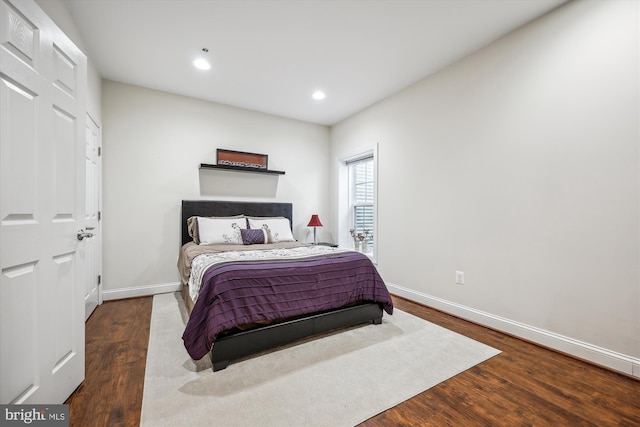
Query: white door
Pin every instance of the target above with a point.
(92, 217)
(42, 180)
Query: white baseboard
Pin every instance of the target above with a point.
(140, 291)
(585, 351)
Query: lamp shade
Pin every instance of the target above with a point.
(314, 221)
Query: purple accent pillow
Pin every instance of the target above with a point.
(252, 236)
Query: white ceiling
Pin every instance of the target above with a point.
(271, 55)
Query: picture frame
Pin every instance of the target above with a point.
(241, 159)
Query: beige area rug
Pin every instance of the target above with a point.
(340, 379)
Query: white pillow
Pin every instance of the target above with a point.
(279, 229)
(220, 230)
(192, 225)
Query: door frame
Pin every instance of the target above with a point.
(96, 241)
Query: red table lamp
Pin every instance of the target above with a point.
(314, 222)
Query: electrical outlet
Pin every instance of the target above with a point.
(460, 277)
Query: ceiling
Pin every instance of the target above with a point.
(271, 55)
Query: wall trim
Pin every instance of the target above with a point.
(591, 353)
(140, 291)
(627, 365)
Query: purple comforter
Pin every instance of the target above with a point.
(238, 293)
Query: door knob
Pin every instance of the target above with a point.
(82, 234)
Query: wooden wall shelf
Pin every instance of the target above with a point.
(240, 169)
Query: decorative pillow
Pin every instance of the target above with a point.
(278, 228)
(192, 225)
(220, 230)
(254, 237)
(192, 228)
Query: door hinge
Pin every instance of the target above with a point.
(99, 215)
(99, 279)
(99, 151)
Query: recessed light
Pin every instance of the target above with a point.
(318, 95)
(201, 64)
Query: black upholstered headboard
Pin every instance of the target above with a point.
(223, 208)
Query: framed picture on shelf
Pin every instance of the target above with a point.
(241, 159)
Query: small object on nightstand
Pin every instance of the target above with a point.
(314, 222)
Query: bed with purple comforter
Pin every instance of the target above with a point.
(259, 290)
(254, 298)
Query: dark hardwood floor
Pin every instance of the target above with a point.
(525, 385)
(117, 335)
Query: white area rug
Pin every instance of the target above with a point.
(340, 379)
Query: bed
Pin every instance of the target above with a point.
(341, 288)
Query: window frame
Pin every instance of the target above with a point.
(344, 221)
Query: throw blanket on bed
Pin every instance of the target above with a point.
(202, 262)
(268, 288)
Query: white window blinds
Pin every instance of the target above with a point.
(361, 177)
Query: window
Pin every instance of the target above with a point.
(361, 202)
(356, 197)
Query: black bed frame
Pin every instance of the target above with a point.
(237, 344)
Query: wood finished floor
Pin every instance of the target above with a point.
(525, 385)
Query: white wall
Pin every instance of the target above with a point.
(153, 143)
(519, 165)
